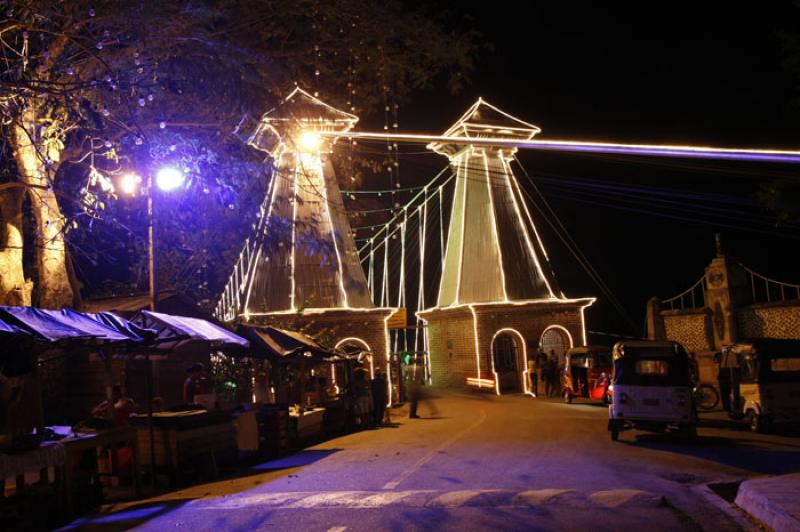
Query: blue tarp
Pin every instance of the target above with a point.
(146, 329)
(181, 329)
(8, 329)
(41, 323)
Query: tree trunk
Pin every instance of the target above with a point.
(14, 290)
(54, 290)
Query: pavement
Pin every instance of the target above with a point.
(775, 501)
(484, 463)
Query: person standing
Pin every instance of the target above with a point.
(196, 386)
(380, 397)
(541, 360)
(531, 374)
(414, 390)
(551, 372)
(363, 397)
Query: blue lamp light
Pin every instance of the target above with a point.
(169, 178)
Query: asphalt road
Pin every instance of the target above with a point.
(483, 463)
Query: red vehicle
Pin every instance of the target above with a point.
(587, 373)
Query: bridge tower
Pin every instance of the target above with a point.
(301, 268)
(498, 298)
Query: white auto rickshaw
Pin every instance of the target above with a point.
(651, 389)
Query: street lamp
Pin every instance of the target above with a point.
(167, 179)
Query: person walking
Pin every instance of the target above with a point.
(380, 397)
(417, 392)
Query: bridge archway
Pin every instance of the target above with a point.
(557, 339)
(509, 364)
(366, 351)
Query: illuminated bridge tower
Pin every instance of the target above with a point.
(498, 299)
(302, 267)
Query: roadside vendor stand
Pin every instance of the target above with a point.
(171, 440)
(34, 331)
(30, 334)
(306, 383)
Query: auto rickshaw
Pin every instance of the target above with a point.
(587, 373)
(762, 377)
(651, 389)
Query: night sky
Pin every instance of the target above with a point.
(640, 72)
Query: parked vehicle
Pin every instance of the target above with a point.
(587, 373)
(651, 389)
(706, 397)
(764, 381)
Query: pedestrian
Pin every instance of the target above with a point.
(361, 387)
(417, 392)
(541, 361)
(117, 410)
(196, 387)
(531, 375)
(380, 397)
(551, 375)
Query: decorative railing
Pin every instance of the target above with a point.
(763, 289)
(691, 298)
(230, 302)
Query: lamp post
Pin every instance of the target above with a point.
(167, 179)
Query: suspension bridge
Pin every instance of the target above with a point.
(464, 252)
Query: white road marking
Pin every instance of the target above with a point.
(562, 498)
(337, 529)
(454, 499)
(538, 497)
(618, 498)
(427, 458)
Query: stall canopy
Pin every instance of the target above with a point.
(279, 344)
(177, 331)
(47, 325)
(146, 329)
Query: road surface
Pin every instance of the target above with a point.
(484, 463)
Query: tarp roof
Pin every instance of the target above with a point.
(172, 331)
(146, 328)
(279, 344)
(44, 324)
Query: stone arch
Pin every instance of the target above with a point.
(505, 339)
(556, 338)
(361, 344)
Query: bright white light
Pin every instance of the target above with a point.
(169, 178)
(129, 183)
(309, 140)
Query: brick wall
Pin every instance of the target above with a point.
(692, 328)
(451, 337)
(776, 320)
(451, 343)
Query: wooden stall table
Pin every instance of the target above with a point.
(180, 437)
(309, 423)
(39, 460)
(78, 443)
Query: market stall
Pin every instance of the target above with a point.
(307, 379)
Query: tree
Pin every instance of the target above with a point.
(90, 90)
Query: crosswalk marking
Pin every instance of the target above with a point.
(566, 498)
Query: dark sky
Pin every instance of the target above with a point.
(642, 72)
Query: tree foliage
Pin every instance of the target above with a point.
(91, 90)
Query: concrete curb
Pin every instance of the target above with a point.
(774, 501)
(730, 510)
